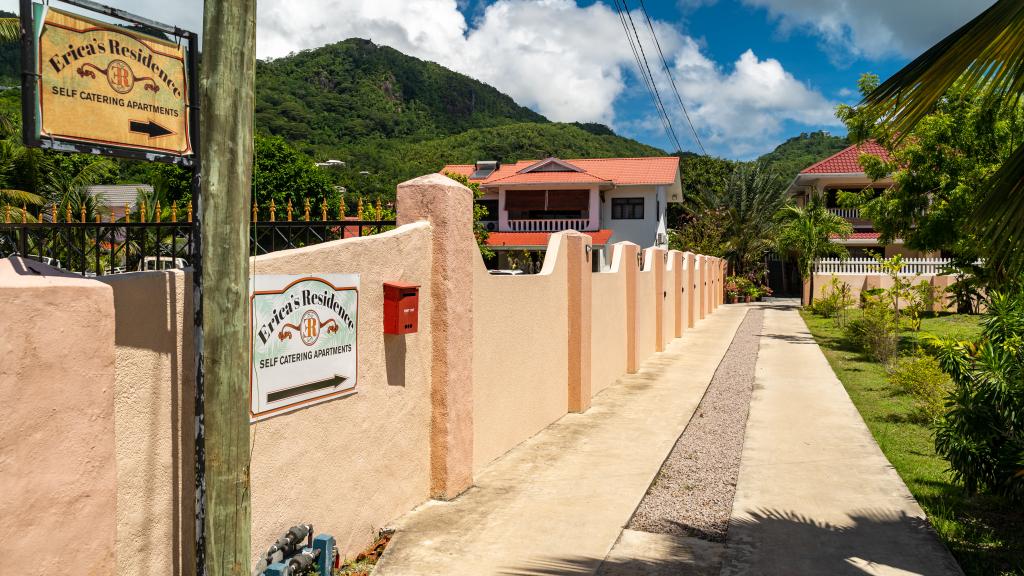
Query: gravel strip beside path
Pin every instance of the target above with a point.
(693, 492)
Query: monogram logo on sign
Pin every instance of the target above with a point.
(119, 75)
(309, 328)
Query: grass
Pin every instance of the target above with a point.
(984, 533)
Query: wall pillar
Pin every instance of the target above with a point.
(702, 285)
(58, 464)
(579, 253)
(675, 258)
(632, 268)
(690, 263)
(448, 206)
(656, 256)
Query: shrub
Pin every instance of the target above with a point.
(922, 378)
(835, 298)
(876, 331)
(982, 432)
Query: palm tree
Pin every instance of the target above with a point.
(808, 232)
(10, 30)
(986, 54)
(746, 206)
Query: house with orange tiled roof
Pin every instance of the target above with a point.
(610, 199)
(843, 171)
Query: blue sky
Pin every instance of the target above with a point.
(751, 72)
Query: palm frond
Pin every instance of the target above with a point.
(19, 197)
(986, 53)
(10, 30)
(999, 217)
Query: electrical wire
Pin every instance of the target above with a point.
(644, 68)
(672, 80)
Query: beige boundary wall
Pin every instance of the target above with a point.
(861, 282)
(496, 359)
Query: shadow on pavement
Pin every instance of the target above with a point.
(786, 543)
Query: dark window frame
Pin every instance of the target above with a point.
(628, 208)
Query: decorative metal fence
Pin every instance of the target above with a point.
(911, 266)
(99, 248)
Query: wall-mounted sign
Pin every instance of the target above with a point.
(303, 341)
(105, 85)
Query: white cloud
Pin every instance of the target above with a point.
(873, 28)
(742, 111)
(568, 62)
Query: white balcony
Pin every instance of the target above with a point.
(554, 225)
(848, 213)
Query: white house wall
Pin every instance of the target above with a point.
(640, 232)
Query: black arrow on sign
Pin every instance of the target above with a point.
(152, 128)
(333, 382)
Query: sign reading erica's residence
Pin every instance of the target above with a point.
(303, 341)
(107, 85)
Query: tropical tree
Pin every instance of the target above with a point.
(735, 221)
(987, 55)
(807, 231)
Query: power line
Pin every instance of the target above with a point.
(645, 69)
(675, 89)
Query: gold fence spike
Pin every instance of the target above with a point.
(307, 209)
(174, 211)
(142, 211)
(341, 209)
(83, 213)
(255, 208)
(127, 214)
(289, 210)
(323, 210)
(24, 213)
(53, 213)
(359, 210)
(377, 216)
(273, 208)
(67, 214)
(156, 212)
(190, 212)
(98, 218)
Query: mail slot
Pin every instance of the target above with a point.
(401, 307)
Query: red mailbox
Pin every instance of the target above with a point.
(401, 307)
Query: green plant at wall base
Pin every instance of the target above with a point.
(982, 432)
(834, 300)
(921, 377)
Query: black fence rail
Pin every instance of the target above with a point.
(100, 248)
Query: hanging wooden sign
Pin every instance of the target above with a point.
(102, 85)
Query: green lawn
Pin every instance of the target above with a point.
(986, 534)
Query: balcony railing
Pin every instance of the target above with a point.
(848, 213)
(553, 225)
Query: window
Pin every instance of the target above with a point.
(627, 208)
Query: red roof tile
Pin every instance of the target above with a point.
(861, 236)
(847, 161)
(620, 171)
(598, 238)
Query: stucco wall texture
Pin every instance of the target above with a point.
(608, 333)
(496, 359)
(58, 471)
(861, 282)
(520, 354)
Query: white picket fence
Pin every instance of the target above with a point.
(911, 266)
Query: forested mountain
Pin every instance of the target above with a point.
(799, 152)
(391, 117)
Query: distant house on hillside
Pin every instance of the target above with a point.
(843, 171)
(610, 199)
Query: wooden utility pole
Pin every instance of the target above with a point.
(227, 75)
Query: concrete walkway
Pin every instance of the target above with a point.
(557, 503)
(815, 493)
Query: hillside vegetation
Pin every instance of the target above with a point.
(799, 152)
(391, 117)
